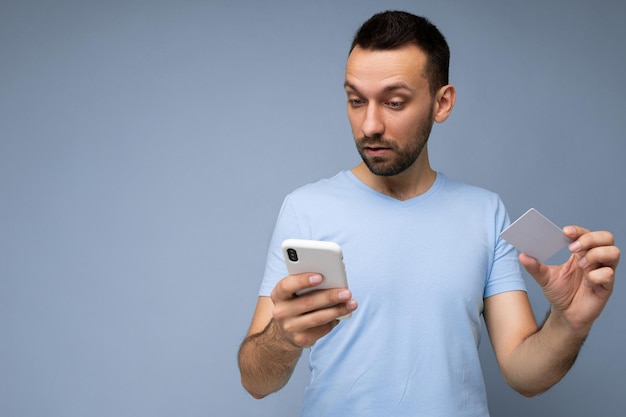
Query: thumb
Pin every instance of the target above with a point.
(536, 269)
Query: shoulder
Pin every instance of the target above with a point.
(335, 186)
(469, 193)
(468, 203)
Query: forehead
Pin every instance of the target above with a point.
(377, 69)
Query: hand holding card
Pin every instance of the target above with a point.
(536, 236)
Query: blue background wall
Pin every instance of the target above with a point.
(146, 146)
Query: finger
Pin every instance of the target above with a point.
(574, 232)
(318, 300)
(328, 314)
(285, 309)
(288, 286)
(319, 322)
(604, 277)
(306, 339)
(308, 328)
(585, 241)
(534, 268)
(603, 256)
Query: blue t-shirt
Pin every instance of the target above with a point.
(419, 270)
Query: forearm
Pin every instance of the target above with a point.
(544, 358)
(266, 361)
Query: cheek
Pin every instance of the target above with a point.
(400, 127)
(408, 126)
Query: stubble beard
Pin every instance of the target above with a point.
(402, 158)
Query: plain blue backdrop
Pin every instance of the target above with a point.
(146, 146)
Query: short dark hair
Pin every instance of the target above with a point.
(394, 29)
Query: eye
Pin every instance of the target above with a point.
(355, 102)
(395, 105)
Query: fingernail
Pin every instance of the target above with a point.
(315, 279)
(574, 246)
(582, 262)
(344, 295)
(352, 305)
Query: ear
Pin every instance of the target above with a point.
(444, 102)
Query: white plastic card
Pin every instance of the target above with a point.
(536, 236)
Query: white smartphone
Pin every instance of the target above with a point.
(316, 256)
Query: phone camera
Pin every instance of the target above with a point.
(292, 254)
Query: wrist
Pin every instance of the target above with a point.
(568, 327)
(282, 341)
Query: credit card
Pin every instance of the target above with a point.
(536, 236)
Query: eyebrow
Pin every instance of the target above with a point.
(388, 89)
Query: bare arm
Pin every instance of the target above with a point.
(266, 358)
(533, 359)
(285, 324)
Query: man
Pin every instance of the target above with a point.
(424, 260)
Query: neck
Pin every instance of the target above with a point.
(414, 181)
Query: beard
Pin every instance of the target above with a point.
(402, 157)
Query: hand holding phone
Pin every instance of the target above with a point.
(315, 256)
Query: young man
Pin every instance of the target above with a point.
(424, 260)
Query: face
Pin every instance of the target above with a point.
(390, 107)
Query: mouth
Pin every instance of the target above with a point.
(376, 150)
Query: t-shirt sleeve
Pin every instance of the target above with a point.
(286, 227)
(505, 274)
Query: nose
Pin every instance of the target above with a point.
(372, 122)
